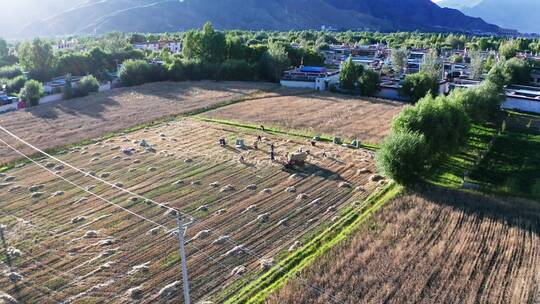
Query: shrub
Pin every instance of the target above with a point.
(416, 86)
(87, 85)
(32, 92)
(481, 103)
(350, 72)
(443, 123)
(177, 70)
(14, 86)
(133, 72)
(10, 72)
(404, 157)
(234, 69)
(369, 83)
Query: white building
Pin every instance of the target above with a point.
(316, 78)
(522, 98)
(173, 46)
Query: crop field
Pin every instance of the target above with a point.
(440, 247)
(75, 239)
(365, 119)
(72, 121)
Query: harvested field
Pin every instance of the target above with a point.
(363, 118)
(77, 248)
(72, 121)
(424, 249)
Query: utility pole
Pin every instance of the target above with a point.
(181, 237)
(8, 258)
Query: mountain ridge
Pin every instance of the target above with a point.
(100, 16)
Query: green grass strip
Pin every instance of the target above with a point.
(258, 290)
(273, 130)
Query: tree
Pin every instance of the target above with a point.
(416, 86)
(14, 85)
(235, 48)
(517, 71)
(350, 72)
(37, 58)
(32, 92)
(404, 157)
(10, 71)
(236, 69)
(68, 88)
(477, 65)
(431, 64)
(4, 51)
(399, 59)
(207, 45)
(134, 72)
(73, 63)
(274, 61)
(480, 103)
(369, 83)
(444, 123)
(509, 49)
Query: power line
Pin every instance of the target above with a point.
(230, 240)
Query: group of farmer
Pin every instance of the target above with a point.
(223, 143)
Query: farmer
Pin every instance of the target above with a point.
(259, 138)
(272, 147)
(272, 156)
(241, 160)
(255, 146)
(262, 127)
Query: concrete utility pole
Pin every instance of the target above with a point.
(182, 228)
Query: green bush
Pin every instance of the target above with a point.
(444, 124)
(350, 72)
(416, 86)
(13, 86)
(87, 85)
(177, 70)
(369, 83)
(235, 69)
(480, 103)
(404, 157)
(10, 72)
(32, 92)
(137, 72)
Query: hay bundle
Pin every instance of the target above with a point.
(78, 219)
(196, 183)
(114, 148)
(238, 270)
(227, 188)
(84, 152)
(201, 235)
(14, 188)
(154, 231)
(140, 268)
(295, 176)
(9, 178)
(105, 175)
(335, 218)
(266, 264)
(221, 211)
(90, 188)
(108, 252)
(251, 187)
(116, 157)
(58, 193)
(151, 169)
(251, 208)
(4, 185)
(266, 191)
(137, 161)
(302, 196)
(95, 159)
(263, 218)
(80, 200)
(91, 173)
(106, 242)
(35, 188)
(376, 178)
(291, 189)
(135, 293)
(363, 171)
(215, 184)
(203, 208)
(295, 246)
(133, 199)
(283, 222)
(221, 240)
(331, 209)
(37, 194)
(298, 157)
(130, 170)
(237, 251)
(315, 202)
(344, 185)
(50, 165)
(119, 185)
(91, 234)
(187, 161)
(178, 183)
(170, 291)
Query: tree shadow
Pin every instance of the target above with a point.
(93, 106)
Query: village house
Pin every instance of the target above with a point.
(317, 78)
(172, 45)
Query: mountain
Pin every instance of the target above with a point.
(457, 4)
(521, 15)
(100, 16)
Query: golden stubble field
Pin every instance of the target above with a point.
(366, 119)
(68, 245)
(440, 247)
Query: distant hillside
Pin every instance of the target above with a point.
(522, 15)
(97, 17)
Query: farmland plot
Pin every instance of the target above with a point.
(433, 248)
(72, 121)
(69, 245)
(364, 118)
